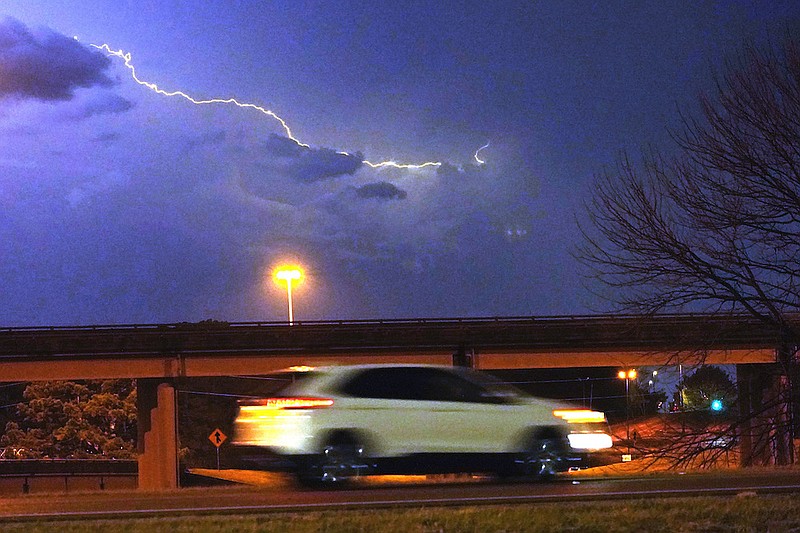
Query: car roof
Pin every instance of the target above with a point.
(365, 366)
(325, 375)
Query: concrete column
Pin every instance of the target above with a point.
(745, 426)
(465, 357)
(778, 398)
(764, 414)
(157, 434)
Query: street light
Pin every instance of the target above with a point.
(627, 375)
(288, 274)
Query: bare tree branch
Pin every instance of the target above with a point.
(715, 227)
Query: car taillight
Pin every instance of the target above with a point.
(290, 403)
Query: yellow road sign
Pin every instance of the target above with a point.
(217, 437)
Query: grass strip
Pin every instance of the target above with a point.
(743, 513)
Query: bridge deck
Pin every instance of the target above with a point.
(220, 348)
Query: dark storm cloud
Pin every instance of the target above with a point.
(284, 147)
(382, 190)
(46, 65)
(107, 137)
(207, 139)
(311, 164)
(104, 104)
(446, 170)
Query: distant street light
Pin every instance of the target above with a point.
(288, 275)
(627, 375)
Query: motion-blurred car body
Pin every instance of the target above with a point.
(334, 423)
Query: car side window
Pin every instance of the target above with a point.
(443, 386)
(380, 383)
(414, 383)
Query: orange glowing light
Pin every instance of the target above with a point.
(287, 403)
(580, 416)
(289, 274)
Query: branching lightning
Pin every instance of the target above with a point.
(126, 58)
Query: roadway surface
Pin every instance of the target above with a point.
(284, 495)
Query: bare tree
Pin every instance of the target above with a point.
(715, 225)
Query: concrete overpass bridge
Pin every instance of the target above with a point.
(156, 355)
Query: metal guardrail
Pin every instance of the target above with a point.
(23, 475)
(24, 483)
(219, 324)
(499, 333)
(31, 467)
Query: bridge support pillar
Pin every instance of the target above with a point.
(157, 434)
(465, 357)
(765, 431)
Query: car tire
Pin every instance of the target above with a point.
(544, 458)
(340, 460)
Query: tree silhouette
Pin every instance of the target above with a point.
(715, 225)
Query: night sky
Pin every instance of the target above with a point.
(121, 205)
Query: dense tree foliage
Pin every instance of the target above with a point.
(705, 386)
(67, 419)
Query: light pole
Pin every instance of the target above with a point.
(627, 375)
(288, 275)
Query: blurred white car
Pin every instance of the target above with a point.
(338, 422)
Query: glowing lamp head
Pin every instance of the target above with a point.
(288, 274)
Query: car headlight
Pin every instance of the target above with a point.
(589, 441)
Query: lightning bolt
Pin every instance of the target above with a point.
(127, 60)
(126, 57)
(384, 164)
(478, 159)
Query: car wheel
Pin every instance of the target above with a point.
(340, 460)
(544, 459)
